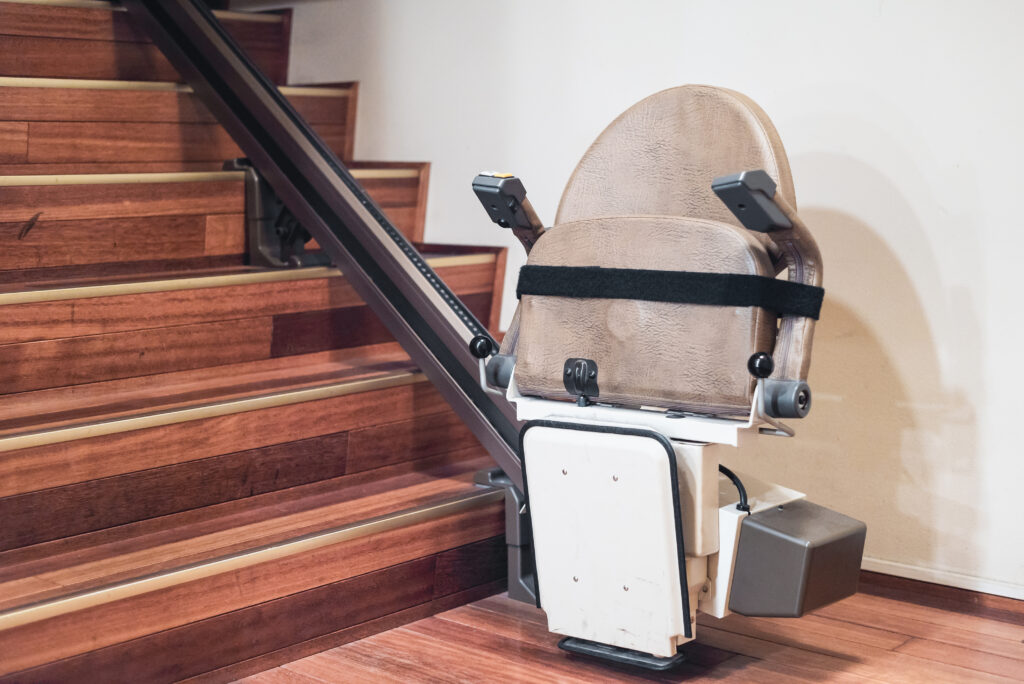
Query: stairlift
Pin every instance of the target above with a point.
(652, 338)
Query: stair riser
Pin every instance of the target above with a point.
(71, 361)
(193, 224)
(53, 465)
(80, 508)
(74, 42)
(106, 103)
(70, 142)
(54, 320)
(93, 628)
(309, 621)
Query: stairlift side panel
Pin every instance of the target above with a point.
(698, 493)
(605, 537)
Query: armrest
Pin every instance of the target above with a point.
(504, 199)
(751, 197)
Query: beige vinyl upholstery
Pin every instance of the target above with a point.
(641, 198)
(660, 156)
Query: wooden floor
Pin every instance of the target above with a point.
(892, 631)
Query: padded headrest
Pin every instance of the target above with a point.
(660, 156)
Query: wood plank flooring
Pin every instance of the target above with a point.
(893, 630)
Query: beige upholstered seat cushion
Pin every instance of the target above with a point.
(648, 353)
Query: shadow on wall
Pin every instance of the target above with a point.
(888, 440)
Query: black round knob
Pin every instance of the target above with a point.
(760, 365)
(481, 346)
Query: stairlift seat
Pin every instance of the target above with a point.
(658, 288)
(641, 198)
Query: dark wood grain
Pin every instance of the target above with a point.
(946, 598)
(121, 200)
(95, 559)
(59, 407)
(312, 331)
(119, 271)
(114, 225)
(497, 639)
(287, 622)
(47, 57)
(259, 664)
(64, 141)
(77, 360)
(59, 168)
(966, 658)
(404, 200)
(73, 634)
(13, 141)
(58, 512)
(70, 342)
(55, 244)
(76, 509)
(68, 22)
(52, 465)
(24, 104)
(461, 568)
(220, 641)
(388, 443)
(76, 42)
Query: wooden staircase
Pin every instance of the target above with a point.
(206, 468)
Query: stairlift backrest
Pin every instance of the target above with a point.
(641, 198)
(660, 156)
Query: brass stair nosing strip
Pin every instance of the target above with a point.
(380, 524)
(152, 86)
(120, 178)
(172, 177)
(205, 282)
(93, 4)
(183, 415)
(106, 5)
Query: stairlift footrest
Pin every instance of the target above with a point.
(608, 535)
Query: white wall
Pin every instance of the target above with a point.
(902, 122)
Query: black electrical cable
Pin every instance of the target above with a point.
(742, 505)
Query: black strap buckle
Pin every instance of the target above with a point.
(580, 379)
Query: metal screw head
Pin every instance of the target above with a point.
(564, 471)
(575, 578)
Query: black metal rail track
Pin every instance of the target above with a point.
(423, 314)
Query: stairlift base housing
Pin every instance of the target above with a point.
(634, 532)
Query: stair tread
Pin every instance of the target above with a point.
(90, 561)
(50, 409)
(436, 257)
(58, 227)
(312, 90)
